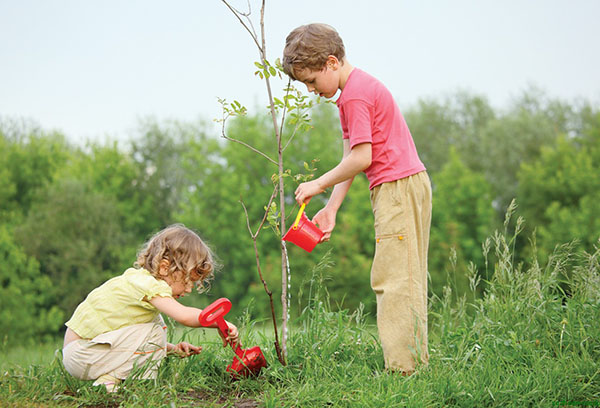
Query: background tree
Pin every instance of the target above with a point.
(532, 122)
(29, 160)
(560, 191)
(27, 309)
(462, 218)
(161, 181)
(76, 235)
(458, 121)
(490, 142)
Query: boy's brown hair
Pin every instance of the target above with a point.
(309, 46)
(183, 249)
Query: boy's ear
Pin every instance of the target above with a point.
(163, 267)
(332, 62)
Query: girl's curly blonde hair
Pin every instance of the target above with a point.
(184, 250)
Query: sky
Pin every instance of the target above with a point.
(93, 69)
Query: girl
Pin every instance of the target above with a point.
(118, 326)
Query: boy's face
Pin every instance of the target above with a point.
(324, 83)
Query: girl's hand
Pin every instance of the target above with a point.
(232, 335)
(184, 349)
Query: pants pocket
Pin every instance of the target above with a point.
(391, 262)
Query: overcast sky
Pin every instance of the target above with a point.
(93, 68)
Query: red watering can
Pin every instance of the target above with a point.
(303, 232)
(246, 362)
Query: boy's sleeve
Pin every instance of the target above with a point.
(357, 119)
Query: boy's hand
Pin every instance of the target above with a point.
(325, 220)
(184, 349)
(306, 191)
(232, 335)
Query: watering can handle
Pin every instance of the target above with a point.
(300, 211)
(215, 313)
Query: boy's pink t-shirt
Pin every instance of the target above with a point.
(369, 114)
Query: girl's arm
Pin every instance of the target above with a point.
(188, 316)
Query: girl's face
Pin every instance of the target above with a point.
(178, 285)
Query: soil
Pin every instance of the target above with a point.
(220, 402)
(202, 399)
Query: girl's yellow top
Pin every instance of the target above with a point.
(119, 302)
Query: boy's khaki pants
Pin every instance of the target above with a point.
(118, 353)
(402, 211)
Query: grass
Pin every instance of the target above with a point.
(532, 339)
(17, 358)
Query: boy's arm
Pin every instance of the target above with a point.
(341, 189)
(357, 157)
(353, 162)
(325, 218)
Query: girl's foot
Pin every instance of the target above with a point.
(111, 383)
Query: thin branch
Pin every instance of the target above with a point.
(264, 216)
(224, 135)
(287, 92)
(237, 15)
(291, 137)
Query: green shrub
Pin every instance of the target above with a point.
(24, 296)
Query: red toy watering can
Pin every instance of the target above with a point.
(246, 362)
(303, 232)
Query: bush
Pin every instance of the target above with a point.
(24, 297)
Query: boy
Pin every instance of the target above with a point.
(376, 140)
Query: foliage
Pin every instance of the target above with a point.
(525, 327)
(29, 160)
(26, 311)
(490, 142)
(109, 172)
(161, 180)
(457, 122)
(560, 192)
(77, 235)
(462, 217)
